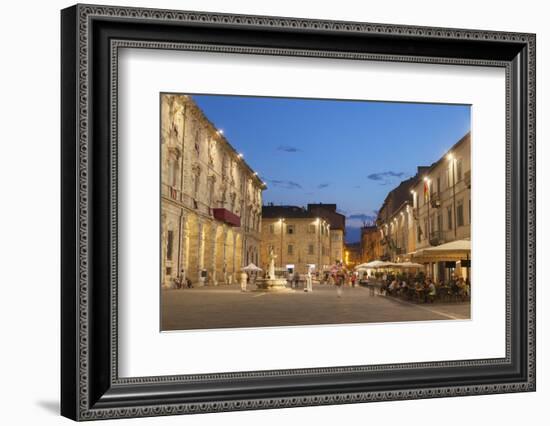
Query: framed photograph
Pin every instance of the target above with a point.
(263, 212)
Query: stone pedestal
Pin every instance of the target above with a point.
(272, 284)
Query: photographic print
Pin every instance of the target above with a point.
(288, 212)
(299, 191)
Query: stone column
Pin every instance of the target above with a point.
(224, 270)
(200, 247)
(182, 264)
(234, 255)
(164, 284)
(214, 252)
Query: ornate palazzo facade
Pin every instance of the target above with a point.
(211, 200)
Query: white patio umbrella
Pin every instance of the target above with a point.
(376, 264)
(455, 250)
(409, 265)
(251, 268)
(362, 266)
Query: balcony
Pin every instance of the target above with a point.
(227, 217)
(171, 192)
(435, 201)
(437, 238)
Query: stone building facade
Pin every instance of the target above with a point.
(337, 222)
(371, 237)
(429, 209)
(441, 198)
(211, 200)
(397, 237)
(299, 238)
(441, 201)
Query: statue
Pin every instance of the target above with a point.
(271, 283)
(271, 270)
(309, 281)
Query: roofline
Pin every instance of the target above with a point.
(221, 136)
(436, 163)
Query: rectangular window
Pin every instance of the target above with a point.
(290, 229)
(459, 214)
(449, 218)
(311, 229)
(418, 233)
(289, 249)
(440, 222)
(271, 229)
(169, 244)
(459, 170)
(438, 185)
(310, 249)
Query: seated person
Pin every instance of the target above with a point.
(431, 292)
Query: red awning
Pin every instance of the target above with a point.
(227, 217)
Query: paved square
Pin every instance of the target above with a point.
(226, 306)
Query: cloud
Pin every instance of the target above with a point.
(288, 148)
(287, 184)
(384, 176)
(363, 217)
(322, 185)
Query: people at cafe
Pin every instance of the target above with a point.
(461, 285)
(394, 286)
(432, 292)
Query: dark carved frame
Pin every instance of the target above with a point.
(91, 37)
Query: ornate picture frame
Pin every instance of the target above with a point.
(90, 39)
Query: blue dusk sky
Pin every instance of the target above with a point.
(351, 153)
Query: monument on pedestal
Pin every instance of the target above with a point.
(271, 282)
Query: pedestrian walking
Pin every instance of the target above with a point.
(339, 281)
(244, 280)
(295, 279)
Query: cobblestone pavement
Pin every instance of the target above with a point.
(225, 306)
